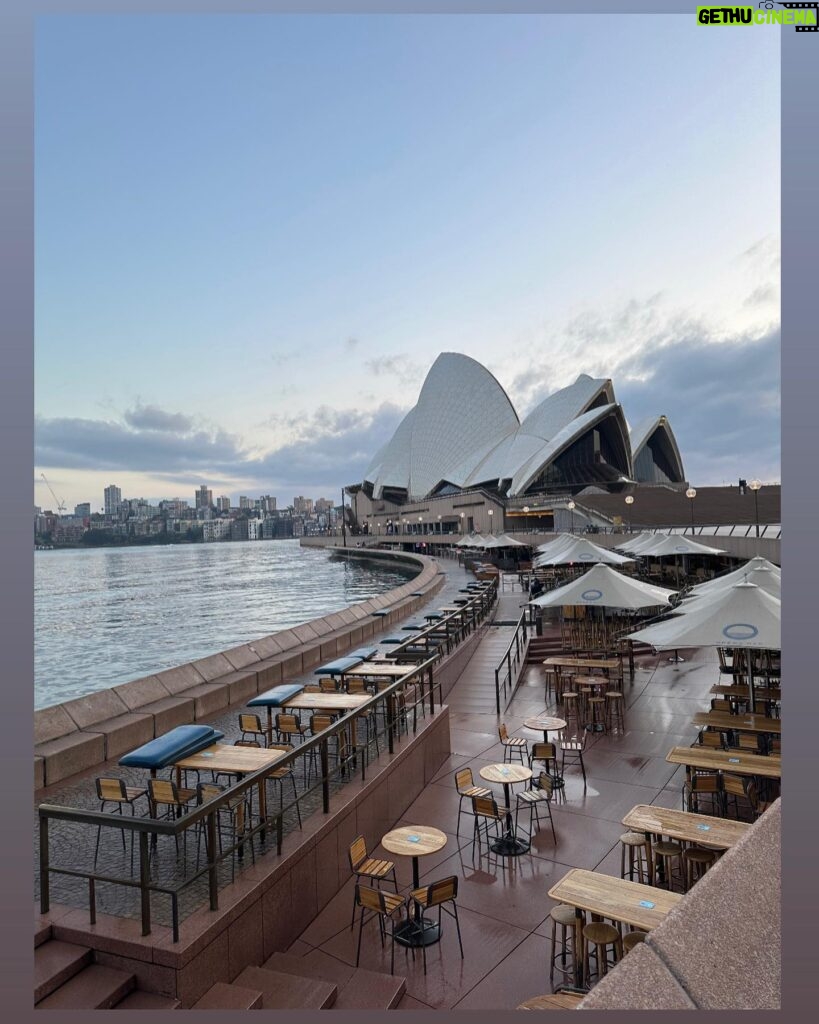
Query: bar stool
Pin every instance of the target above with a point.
(615, 710)
(597, 714)
(631, 939)
(638, 856)
(666, 855)
(550, 679)
(571, 710)
(565, 918)
(586, 693)
(597, 937)
(696, 862)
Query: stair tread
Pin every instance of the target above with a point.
(224, 996)
(283, 991)
(140, 1000)
(358, 989)
(42, 934)
(55, 962)
(95, 988)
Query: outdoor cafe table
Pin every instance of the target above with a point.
(507, 775)
(222, 757)
(617, 899)
(605, 664)
(327, 701)
(741, 692)
(742, 723)
(415, 841)
(712, 760)
(719, 833)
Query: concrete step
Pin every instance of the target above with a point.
(55, 963)
(222, 996)
(282, 991)
(95, 988)
(358, 989)
(42, 934)
(139, 1000)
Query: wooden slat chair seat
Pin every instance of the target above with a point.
(363, 865)
(386, 907)
(165, 793)
(114, 791)
(251, 726)
(438, 894)
(466, 788)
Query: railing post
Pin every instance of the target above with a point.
(390, 742)
(144, 882)
(325, 775)
(431, 692)
(213, 877)
(497, 692)
(44, 878)
(92, 901)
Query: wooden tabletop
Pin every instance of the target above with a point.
(505, 773)
(582, 662)
(379, 668)
(414, 840)
(226, 758)
(695, 828)
(736, 763)
(760, 692)
(555, 1001)
(744, 723)
(328, 701)
(617, 899)
(544, 724)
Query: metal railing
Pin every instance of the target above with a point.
(510, 662)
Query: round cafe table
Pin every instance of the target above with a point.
(507, 775)
(415, 841)
(547, 724)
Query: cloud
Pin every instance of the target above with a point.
(351, 344)
(762, 295)
(400, 366)
(150, 417)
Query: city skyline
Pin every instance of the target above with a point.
(248, 257)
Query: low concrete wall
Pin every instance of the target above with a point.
(276, 899)
(79, 734)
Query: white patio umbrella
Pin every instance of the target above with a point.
(636, 545)
(602, 587)
(742, 616)
(738, 575)
(766, 579)
(580, 550)
(552, 545)
(510, 542)
(677, 544)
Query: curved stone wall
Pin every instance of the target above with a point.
(81, 733)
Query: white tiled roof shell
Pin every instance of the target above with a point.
(462, 412)
(643, 432)
(554, 412)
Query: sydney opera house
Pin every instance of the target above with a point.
(463, 434)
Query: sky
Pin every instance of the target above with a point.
(255, 233)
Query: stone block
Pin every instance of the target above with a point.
(269, 673)
(208, 698)
(241, 686)
(177, 680)
(101, 706)
(242, 656)
(52, 723)
(39, 772)
(213, 667)
(67, 755)
(125, 732)
(139, 692)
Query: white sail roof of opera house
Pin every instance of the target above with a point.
(464, 432)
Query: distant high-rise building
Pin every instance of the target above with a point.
(268, 503)
(245, 502)
(113, 499)
(323, 505)
(83, 509)
(302, 505)
(204, 497)
(223, 504)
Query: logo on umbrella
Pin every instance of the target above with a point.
(586, 557)
(740, 631)
(592, 595)
(680, 547)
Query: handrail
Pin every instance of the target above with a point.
(518, 641)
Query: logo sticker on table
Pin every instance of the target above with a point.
(733, 760)
(704, 828)
(647, 904)
(205, 753)
(414, 839)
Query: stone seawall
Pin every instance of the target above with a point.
(88, 731)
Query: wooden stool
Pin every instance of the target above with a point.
(638, 855)
(585, 693)
(615, 710)
(597, 714)
(696, 863)
(566, 918)
(665, 856)
(551, 682)
(600, 936)
(571, 710)
(631, 939)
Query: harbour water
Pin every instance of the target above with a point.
(103, 616)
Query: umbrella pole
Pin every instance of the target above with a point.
(751, 681)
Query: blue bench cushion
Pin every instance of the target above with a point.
(276, 697)
(335, 668)
(180, 742)
(393, 640)
(365, 653)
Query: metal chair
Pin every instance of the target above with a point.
(488, 816)
(251, 725)
(382, 905)
(114, 791)
(513, 745)
(437, 894)
(533, 799)
(363, 865)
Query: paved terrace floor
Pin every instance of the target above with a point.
(502, 901)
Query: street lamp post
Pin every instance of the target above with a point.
(440, 524)
(755, 486)
(629, 502)
(420, 521)
(691, 494)
(526, 513)
(490, 513)
(570, 505)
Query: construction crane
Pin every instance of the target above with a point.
(60, 504)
